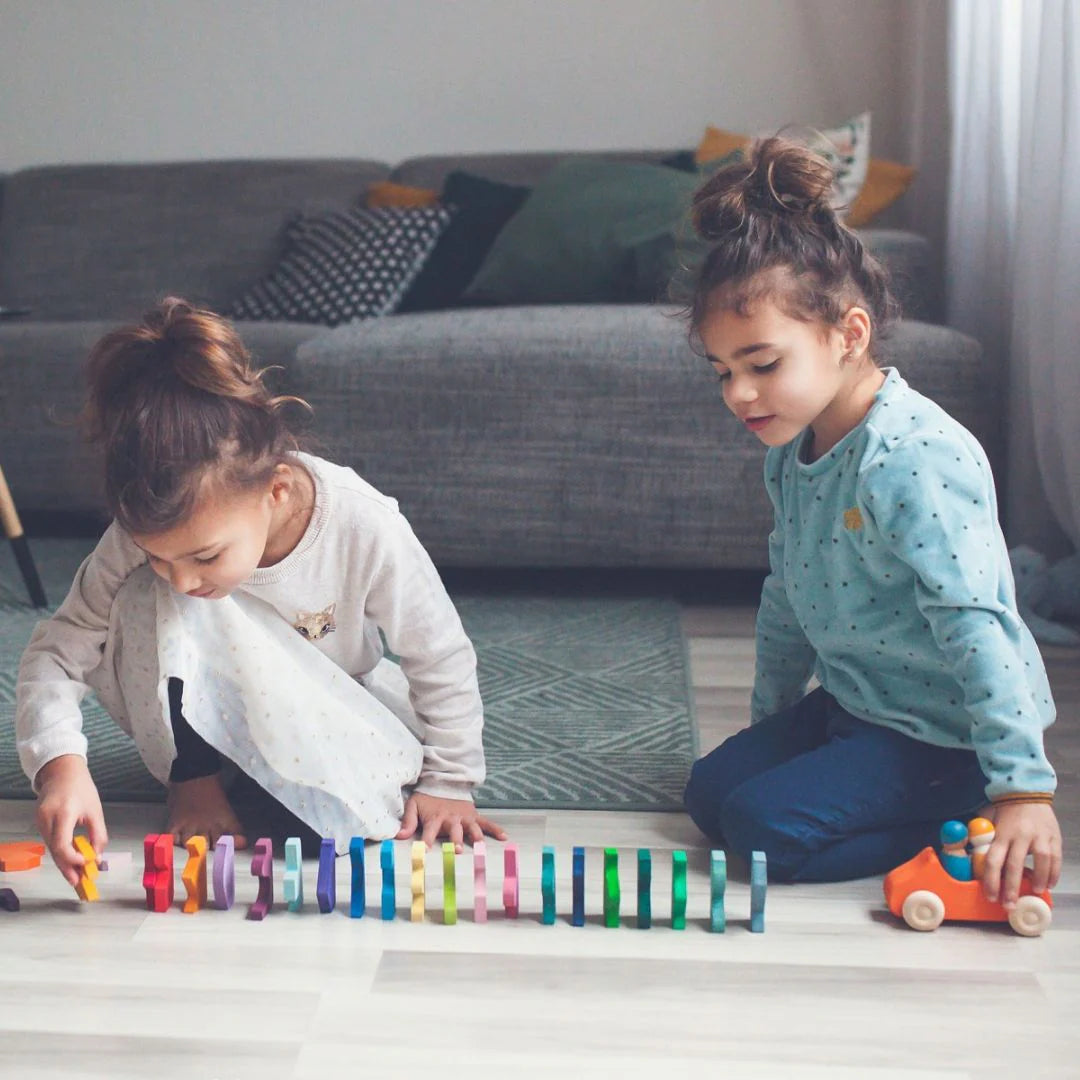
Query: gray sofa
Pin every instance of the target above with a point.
(586, 435)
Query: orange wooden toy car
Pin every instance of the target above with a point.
(924, 894)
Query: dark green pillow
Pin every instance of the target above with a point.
(574, 240)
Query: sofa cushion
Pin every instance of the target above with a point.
(344, 265)
(571, 435)
(105, 241)
(524, 169)
(481, 208)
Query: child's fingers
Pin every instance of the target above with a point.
(98, 834)
(991, 879)
(456, 833)
(60, 841)
(1014, 872)
(408, 822)
(491, 828)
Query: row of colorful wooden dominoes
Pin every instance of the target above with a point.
(158, 881)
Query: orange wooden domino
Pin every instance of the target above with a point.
(194, 875)
(86, 888)
(20, 855)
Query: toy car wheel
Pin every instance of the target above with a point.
(1031, 916)
(923, 910)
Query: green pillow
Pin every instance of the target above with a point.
(577, 238)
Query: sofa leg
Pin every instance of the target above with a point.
(14, 531)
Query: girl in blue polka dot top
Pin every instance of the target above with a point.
(890, 582)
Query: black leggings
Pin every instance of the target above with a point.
(260, 812)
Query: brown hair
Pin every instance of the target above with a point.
(773, 234)
(175, 399)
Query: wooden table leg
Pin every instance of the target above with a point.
(13, 528)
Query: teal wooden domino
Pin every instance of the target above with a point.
(718, 880)
(358, 896)
(612, 897)
(547, 884)
(678, 890)
(759, 881)
(389, 896)
(293, 883)
(644, 888)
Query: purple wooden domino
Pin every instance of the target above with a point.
(8, 900)
(479, 881)
(262, 867)
(326, 884)
(224, 873)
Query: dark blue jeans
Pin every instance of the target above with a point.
(829, 797)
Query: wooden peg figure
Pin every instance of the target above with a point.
(981, 836)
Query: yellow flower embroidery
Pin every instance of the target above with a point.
(853, 519)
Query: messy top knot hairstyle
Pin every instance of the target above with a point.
(773, 234)
(175, 400)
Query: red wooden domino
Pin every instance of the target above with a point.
(158, 871)
(224, 873)
(511, 888)
(479, 882)
(262, 867)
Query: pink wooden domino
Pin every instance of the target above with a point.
(479, 882)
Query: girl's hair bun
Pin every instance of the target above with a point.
(780, 178)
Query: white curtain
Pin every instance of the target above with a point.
(1013, 249)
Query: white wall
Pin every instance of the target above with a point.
(142, 80)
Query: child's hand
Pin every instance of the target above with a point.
(455, 818)
(67, 797)
(1021, 829)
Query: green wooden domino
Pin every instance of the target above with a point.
(611, 887)
(678, 890)
(547, 885)
(449, 884)
(718, 877)
(644, 888)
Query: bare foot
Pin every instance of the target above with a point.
(200, 808)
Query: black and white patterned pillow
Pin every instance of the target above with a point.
(344, 265)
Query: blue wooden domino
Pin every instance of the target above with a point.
(358, 896)
(644, 888)
(759, 880)
(293, 883)
(389, 896)
(326, 885)
(547, 885)
(578, 916)
(718, 881)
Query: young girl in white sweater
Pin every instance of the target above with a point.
(232, 613)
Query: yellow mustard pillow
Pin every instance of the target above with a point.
(387, 193)
(716, 144)
(885, 182)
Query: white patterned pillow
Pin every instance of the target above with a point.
(847, 149)
(344, 265)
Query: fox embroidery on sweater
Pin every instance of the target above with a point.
(316, 624)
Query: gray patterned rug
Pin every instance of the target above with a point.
(586, 700)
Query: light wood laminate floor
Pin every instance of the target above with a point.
(834, 988)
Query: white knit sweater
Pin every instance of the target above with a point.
(359, 554)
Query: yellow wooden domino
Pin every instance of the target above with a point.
(86, 888)
(194, 875)
(419, 852)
